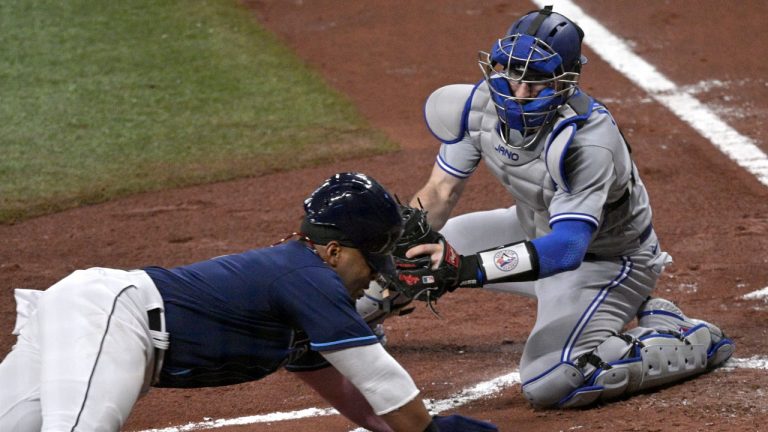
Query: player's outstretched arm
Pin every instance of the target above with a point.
(439, 196)
(384, 383)
(391, 393)
(342, 395)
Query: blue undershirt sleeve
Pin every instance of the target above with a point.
(564, 248)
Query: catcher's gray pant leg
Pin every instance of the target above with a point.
(478, 231)
(577, 311)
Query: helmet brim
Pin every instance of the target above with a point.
(380, 263)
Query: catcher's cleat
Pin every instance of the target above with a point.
(663, 315)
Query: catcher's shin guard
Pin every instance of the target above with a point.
(548, 389)
(654, 359)
(663, 315)
(568, 384)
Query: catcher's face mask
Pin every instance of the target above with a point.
(522, 59)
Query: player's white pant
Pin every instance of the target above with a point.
(84, 353)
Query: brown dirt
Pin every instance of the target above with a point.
(387, 57)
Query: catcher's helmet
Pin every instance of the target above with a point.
(358, 212)
(543, 48)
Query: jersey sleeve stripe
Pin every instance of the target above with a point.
(574, 216)
(451, 170)
(345, 342)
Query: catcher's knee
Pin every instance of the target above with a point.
(549, 388)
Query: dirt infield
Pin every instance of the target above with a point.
(710, 214)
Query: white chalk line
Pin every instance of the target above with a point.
(757, 295)
(463, 397)
(680, 101)
(478, 391)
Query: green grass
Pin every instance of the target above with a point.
(100, 99)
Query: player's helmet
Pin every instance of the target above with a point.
(541, 48)
(358, 212)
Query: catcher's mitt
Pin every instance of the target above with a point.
(416, 230)
(417, 278)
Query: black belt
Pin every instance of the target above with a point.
(640, 239)
(646, 233)
(159, 342)
(155, 319)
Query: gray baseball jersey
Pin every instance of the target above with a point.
(579, 169)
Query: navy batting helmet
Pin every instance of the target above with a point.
(358, 212)
(543, 50)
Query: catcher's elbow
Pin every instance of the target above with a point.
(570, 263)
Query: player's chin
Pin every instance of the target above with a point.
(359, 290)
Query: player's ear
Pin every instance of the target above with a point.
(333, 253)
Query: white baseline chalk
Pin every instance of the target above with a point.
(463, 397)
(757, 295)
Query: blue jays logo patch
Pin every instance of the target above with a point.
(506, 260)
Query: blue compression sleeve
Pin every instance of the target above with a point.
(564, 248)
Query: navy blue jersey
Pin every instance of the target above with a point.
(238, 318)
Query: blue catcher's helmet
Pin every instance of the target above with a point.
(541, 50)
(358, 212)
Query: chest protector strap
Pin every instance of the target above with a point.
(573, 115)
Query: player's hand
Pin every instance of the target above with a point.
(428, 271)
(433, 250)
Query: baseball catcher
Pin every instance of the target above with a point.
(579, 238)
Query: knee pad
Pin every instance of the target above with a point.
(549, 388)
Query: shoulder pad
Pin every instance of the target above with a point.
(446, 112)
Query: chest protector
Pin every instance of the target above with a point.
(538, 170)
